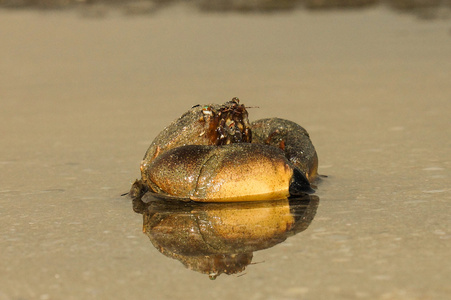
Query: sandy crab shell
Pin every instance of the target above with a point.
(228, 173)
(209, 124)
(292, 138)
(213, 154)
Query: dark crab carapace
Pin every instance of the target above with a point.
(292, 138)
(228, 173)
(213, 154)
(210, 124)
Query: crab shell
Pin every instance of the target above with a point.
(292, 138)
(210, 124)
(228, 173)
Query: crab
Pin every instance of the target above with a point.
(213, 154)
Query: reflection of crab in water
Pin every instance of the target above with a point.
(220, 238)
(213, 154)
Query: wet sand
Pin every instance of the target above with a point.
(81, 99)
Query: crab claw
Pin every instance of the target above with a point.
(229, 173)
(299, 184)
